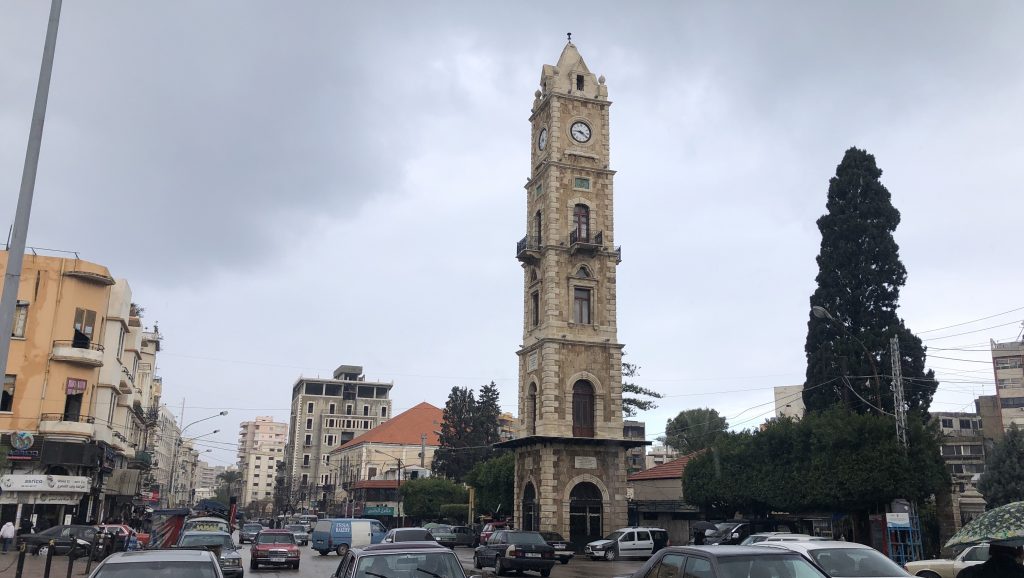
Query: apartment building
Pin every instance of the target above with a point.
(261, 445)
(75, 401)
(789, 401)
(325, 414)
(1008, 366)
(636, 459)
(659, 455)
(165, 436)
(963, 451)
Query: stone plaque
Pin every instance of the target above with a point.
(586, 463)
(531, 362)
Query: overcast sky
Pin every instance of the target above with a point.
(290, 186)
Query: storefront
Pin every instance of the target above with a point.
(45, 499)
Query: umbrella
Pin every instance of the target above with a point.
(702, 526)
(1003, 525)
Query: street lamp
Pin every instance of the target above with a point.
(180, 441)
(399, 460)
(822, 313)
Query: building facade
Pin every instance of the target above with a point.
(260, 446)
(571, 457)
(789, 401)
(76, 398)
(325, 414)
(658, 455)
(165, 437)
(963, 451)
(635, 457)
(1008, 366)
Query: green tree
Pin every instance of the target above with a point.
(422, 498)
(633, 394)
(859, 279)
(486, 414)
(468, 429)
(1003, 480)
(694, 429)
(227, 483)
(493, 481)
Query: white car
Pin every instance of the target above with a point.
(779, 537)
(949, 568)
(628, 543)
(844, 559)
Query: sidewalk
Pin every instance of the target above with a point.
(34, 566)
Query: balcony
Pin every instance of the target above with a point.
(78, 352)
(584, 242)
(67, 427)
(141, 461)
(528, 249)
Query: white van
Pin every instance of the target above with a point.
(628, 543)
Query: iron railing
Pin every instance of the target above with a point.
(67, 417)
(576, 237)
(527, 244)
(78, 344)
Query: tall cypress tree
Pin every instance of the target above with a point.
(859, 279)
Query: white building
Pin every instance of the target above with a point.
(789, 401)
(1008, 364)
(260, 446)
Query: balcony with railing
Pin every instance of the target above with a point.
(528, 249)
(142, 461)
(67, 426)
(580, 240)
(78, 351)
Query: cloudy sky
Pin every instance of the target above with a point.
(290, 186)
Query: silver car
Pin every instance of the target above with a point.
(184, 563)
(300, 533)
(844, 558)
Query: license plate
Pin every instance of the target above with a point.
(533, 554)
(559, 546)
(278, 559)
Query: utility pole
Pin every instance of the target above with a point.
(19, 232)
(423, 450)
(899, 405)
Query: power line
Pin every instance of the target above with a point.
(971, 321)
(974, 331)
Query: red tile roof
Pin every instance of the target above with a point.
(666, 471)
(405, 428)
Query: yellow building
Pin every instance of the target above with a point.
(78, 383)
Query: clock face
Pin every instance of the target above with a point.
(580, 131)
(542, 140)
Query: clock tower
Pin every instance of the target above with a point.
(570, 473)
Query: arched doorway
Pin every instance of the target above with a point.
(530, 514)
(585, 509)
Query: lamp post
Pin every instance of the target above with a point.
(180, 441)
(399, 460)
(822, 313)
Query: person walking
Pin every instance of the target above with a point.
(6, 535)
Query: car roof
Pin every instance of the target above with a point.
(807, 546)
(205, 533)
(416, 528)
(635, 528)
(726, 551)
(143, 556)
(399, 546)
(276, 531)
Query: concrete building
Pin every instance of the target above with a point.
(400, 449)
(789, 401)
(1008, 365)
(656, 499)
(636, 458)
(166, 434)
(75, 400)
(260, 446)
(963, 450)
(570, 473)
(658, 455)
(325, 414)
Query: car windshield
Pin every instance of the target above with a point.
(552, 536)
(753, 539)
(525, 538)
(858, 562)
(151, 569)
(413, 565)
(724, 528)
(613, 536)
(442, 530)
(295, 528)
(412, 535)
(768, 566)
(190, 540)
(275, 539)
(252, 527)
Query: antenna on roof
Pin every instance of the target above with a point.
(568, 35)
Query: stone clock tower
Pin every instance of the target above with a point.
(570, 472)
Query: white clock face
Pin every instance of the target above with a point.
(542, 140)
(580, 131)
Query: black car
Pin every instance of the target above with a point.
(515, 550)
(66, 538)
(418, 559)
(563, 549)
(727, 562)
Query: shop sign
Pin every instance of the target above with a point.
(378, 511)
(43, 483)
(75, 386)
(22, 440)
(39, 498)
(897, 520)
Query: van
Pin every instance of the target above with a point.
(340, 534)
(628, 543)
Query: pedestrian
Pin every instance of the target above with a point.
(1003, 562)
(698, 537)
(6, 535)
(25, 527)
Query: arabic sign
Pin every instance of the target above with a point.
(378, 511)
(38, 498)
(68, 484)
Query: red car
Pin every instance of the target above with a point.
(274, 548)
(488, 529)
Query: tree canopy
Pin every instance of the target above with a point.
(633, 395)
(422, 498)
(493, 481)
(469, 427)
(694, 429)
(859, 279)
(830, 460)
(1003, 480)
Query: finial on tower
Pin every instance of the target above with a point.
(568, 36)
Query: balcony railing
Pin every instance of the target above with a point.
(67, 417)
(141, 461)
(80, 351)
(578, 237)
(528, 247)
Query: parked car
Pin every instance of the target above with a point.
(408, 535)
(121, 534)
(274, 548)
(845, 559)
(301, 535)
(488, 529)
(206, 524)
(423, 559)
(563, 549)
(945, 568)
(515, 550)
(628, 543)
(779, 537)
(222, 546)
(190, 563)
(249, 532)
(69, 537)
(452, 536)
(727, 562)
(340, 534)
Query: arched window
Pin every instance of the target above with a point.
(581, 222)
(533, 275)
(531, 410)
(529, 508)
(537, 223)
(583, 272)
(583, 409)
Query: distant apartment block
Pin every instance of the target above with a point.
(261, 445)
(789, 401)
(1008, 366)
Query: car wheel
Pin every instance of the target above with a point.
(610, 555)
(545, 572)
(253, 565)
(499, 567)
(323, 552)
(342, 550)
(42, 550)
(476, 562)
(296, 566)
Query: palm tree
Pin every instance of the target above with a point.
(228, 480)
